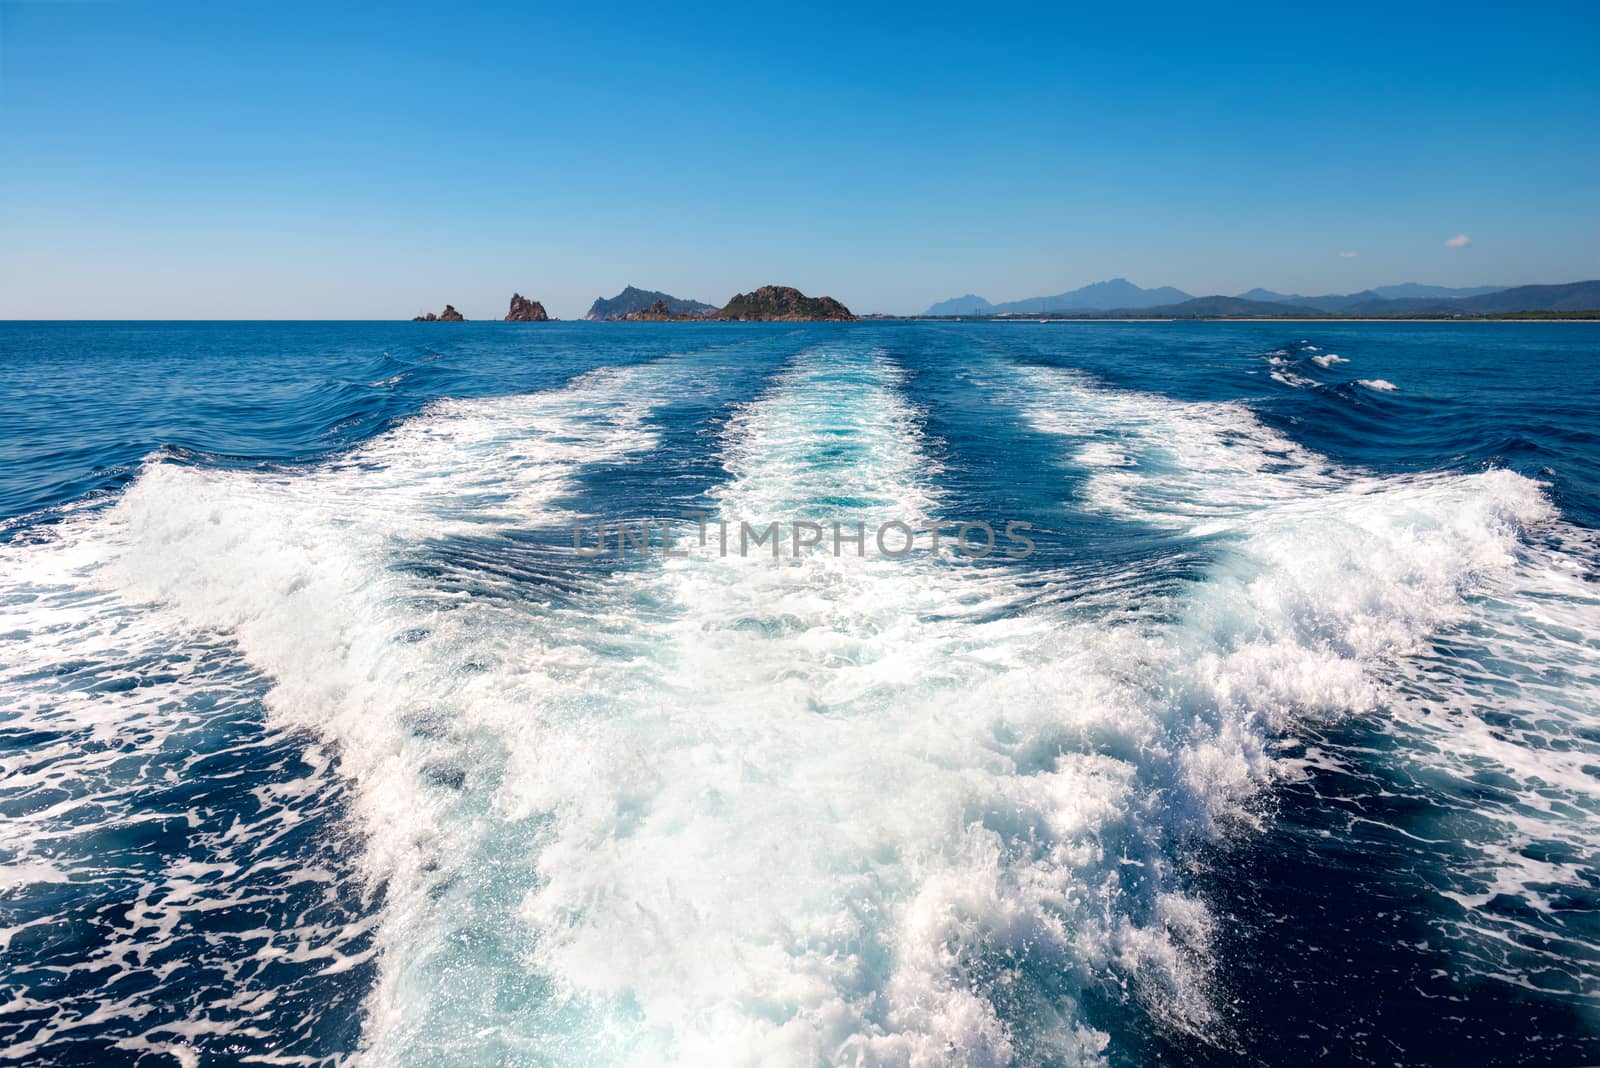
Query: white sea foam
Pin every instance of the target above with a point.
(824, 809)
(1328, 360)
(1336, 587)
(843, 810)
(127, 712)
(825, 796)
(1171, 463)
(1382, 385)
(199, 582)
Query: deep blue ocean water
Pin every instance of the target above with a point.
(320, 741)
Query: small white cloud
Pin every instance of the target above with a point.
(1349, 253)
(1459, 241)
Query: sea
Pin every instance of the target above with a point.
(416, 694)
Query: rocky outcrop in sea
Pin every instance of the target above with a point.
(449, 315)
(658, 312)
(783, 304)
(524, 310)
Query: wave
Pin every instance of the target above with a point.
(1284, 362)
(1294, 381)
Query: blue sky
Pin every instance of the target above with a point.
(226, 160)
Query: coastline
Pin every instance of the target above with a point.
(1254, 319)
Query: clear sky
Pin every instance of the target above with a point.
(225, 160)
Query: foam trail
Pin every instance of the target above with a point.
(204, 592)
(127, 838)
(1457, 606)
(822, 809)
(832, 825)
(837, 809)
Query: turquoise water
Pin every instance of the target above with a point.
(320, 740)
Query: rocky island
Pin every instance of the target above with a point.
(524, 310)
(783, 304)
(659, 312)
(449, 315)
(633, 300)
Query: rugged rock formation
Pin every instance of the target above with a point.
(449, 315)
(524, 310)
(633, 299)
(658, 312)
(783, 304)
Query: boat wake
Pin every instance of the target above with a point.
(820, 809)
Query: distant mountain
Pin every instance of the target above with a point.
(1354, 303)
(1362, 305)
(1271, 297)
(782, 303)
(1340, 303)
(1396, 301)
(1100, 296)
(1418, 291)
(633, 299)
(1574, 296)
(1220, 307)
(971, 304)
